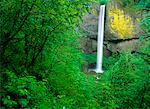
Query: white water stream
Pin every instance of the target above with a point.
(100, 40)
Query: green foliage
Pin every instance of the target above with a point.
(29, 28)
(145, 23)
(140, 4)
(79, 94)
(90, 58)
(108, 62)
(102, 2)
(127, 80)
(40, 50)
(39, 42)
(23, 92)
(143, 4)
(143, 50)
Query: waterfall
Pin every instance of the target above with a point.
(100, 40)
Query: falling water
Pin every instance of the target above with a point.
(100, 40)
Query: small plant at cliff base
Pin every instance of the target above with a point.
(128, 82)
(120, 23)
(108, 62)
(90, 58)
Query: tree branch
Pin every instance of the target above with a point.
(17, 14)
(7, 40)
(42, 46)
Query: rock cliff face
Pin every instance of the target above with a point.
(120, 31)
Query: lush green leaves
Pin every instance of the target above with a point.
(25, 92)
(41, 61)
(127, 79)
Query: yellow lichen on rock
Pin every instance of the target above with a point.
(120, 23)
(94, 12)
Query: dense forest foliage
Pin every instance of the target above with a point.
(41, 59)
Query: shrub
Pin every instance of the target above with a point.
(23, 92)
(128, 82)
